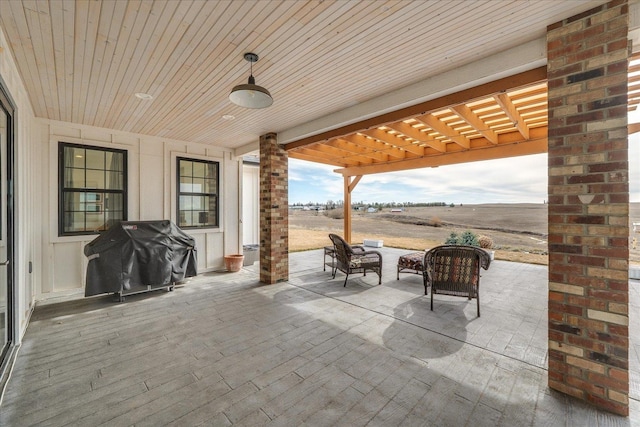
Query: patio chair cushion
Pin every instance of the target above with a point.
(412, 261)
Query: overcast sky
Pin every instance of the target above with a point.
(514, 180)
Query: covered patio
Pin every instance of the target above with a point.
(225, 349)
(149, 81)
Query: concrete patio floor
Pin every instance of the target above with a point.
(225, 350)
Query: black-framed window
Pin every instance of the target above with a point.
(92, 188)
(198, 188)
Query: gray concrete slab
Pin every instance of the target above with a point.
(223, 349)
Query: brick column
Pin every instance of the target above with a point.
(274, 211)
(589, 207)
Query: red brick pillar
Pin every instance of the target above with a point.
(589, 207)
(274, 211)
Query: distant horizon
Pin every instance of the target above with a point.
(502, 181)
(456, 204)
(420, 203)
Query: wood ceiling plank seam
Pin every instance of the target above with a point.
(125, 93)
(45, 57)
(90, 34)
(300, 46)
(374, 145)
(13, 18)
(422, 28)
(210, 82)
(32, 21)
(417, 135)
(183, 82)
(280, 32)
(512, 112)
(57, 35)
(100, 63)
(343, 144)
(145, 54)
(118, 61)
(68, 29)
(335, 47)
(309, 10)
(172, 37)
(100, 94)
(79, 37)
(137, 69)
(135, 18)
(295, 35)
(201, 18)
(444, 130)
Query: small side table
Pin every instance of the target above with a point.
(329, 251)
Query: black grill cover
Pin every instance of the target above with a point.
(139, 253)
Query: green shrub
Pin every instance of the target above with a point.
(467, 238)
(453, 239)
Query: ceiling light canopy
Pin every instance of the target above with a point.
(144, 96)
(251, 95)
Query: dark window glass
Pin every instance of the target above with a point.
(197, 193)
(92, 190)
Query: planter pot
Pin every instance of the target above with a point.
(233, 262)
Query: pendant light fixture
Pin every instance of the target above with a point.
(251, 95)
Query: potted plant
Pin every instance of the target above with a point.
(233, 262)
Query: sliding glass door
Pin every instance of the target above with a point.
(7, 294)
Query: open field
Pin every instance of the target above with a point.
(519, 231)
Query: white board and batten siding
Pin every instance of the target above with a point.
(152, 190)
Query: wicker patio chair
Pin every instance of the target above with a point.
(355, 259)
(455, 270)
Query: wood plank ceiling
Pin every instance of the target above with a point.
(82, 61)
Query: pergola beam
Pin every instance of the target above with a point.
(512, 112)
(532, 146)
(349, 184)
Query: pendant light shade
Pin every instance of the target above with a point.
(251, 95)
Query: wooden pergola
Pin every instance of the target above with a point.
(503, 118)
